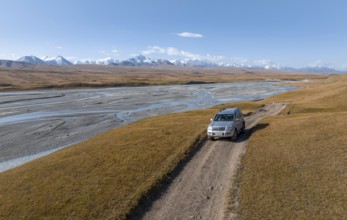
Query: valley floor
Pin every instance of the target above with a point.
(294, 167)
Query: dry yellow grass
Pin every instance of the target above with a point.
(108, 76)
(104, 177)
(296, 167)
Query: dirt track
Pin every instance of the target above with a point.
(200, 190)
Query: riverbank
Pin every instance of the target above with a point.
(99, 76)
(38, 122)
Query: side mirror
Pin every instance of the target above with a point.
(211, 119)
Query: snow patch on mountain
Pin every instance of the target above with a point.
(59, 60)
(106, 61)
(31, 59)
(141, 60)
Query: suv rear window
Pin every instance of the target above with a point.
(224, 117)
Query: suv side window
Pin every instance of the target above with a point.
(238, 115)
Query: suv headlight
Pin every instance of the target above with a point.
(209, 128)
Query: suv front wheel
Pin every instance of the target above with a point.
(234, 137)
(243, 127)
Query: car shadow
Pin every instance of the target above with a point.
(250, 131)
(244, 136)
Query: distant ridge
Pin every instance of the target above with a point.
(141, 60)
(59, 60)
(12, 63)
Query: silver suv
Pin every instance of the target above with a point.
(228, 122)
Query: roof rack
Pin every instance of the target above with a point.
(227, 108)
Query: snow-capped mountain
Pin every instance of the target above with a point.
(59, 60)
(106, 61)
(272, 66)
(319, 69)
(140, 60)
(31, 59)
(85, 61)
(162, 62)
(194, 62)
(312, 69)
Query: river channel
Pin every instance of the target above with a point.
(36, 123)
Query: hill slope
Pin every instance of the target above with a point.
(78, 76)
(296, 167)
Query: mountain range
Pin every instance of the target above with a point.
(59, 60)
(141, 60)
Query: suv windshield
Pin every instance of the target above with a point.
(224, 117)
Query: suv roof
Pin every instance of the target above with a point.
(228, 111)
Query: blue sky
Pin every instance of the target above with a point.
(289, 33)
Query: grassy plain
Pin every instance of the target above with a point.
(296, 167)
(291, 165)
(78, 76)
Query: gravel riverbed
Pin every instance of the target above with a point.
(36, 123)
